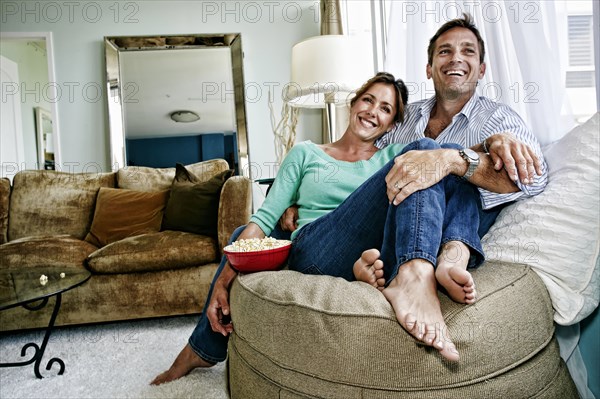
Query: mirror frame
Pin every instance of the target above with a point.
(40, 115)
(114, 87)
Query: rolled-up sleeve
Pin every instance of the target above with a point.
(505, 119)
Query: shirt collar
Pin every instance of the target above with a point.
(467, 110)
(427, 106)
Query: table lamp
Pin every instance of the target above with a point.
(325, 71)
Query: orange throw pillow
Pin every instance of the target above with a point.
(124, 213)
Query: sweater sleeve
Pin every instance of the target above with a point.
(284, 191)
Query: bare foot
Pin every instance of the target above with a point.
(451, 273)
(186, 361)
(369, 269)
(413, 296)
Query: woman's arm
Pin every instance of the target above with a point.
(218, 307)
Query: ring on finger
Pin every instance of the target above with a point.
(397, 186)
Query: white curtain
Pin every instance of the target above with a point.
(526, 50)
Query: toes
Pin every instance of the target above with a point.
(410, 324)
(370, 256)
(449, 352)
(431, 337)
(460, 276)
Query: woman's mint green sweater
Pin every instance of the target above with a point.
(316, 183)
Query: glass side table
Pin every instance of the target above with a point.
(32, 288)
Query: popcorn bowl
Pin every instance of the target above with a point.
(259, 260)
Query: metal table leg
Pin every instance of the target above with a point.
(39, 350)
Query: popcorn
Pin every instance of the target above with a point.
(256, 244)
(43, 279)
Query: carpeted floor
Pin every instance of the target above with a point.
(115, 360)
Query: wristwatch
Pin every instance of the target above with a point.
(472, 159)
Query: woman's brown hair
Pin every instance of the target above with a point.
(399, 87)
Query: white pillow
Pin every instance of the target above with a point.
(557, 232)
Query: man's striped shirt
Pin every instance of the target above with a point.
(480, 118)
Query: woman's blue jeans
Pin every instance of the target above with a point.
(416, 228)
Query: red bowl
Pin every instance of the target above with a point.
(258, 261)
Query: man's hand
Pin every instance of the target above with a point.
(418, 170)
(517, 158)
(218, 310)
(289, 219)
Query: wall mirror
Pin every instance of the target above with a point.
(176, 98)
(45, 138)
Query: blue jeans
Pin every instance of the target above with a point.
(414, 229)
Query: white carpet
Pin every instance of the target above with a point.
(116, 360)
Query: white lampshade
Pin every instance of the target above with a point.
(326, 69)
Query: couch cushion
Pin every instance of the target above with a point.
(193, 205)
(165, 250)
(124, 213)
(4, 202)
(556, 232)
(59, 250)
(142, 178)
(46, 202)
(324, 336)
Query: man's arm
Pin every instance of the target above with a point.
(518, 159)
(418, 170)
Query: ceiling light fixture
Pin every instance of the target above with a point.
(184, 116)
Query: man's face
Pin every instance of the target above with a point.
(455, 67)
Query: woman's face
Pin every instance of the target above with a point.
(373, 112)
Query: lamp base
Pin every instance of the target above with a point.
(329, 128)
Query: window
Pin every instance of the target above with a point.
(580, 79)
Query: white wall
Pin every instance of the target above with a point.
(269, 30)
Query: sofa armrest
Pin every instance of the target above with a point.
(4, 204)
(235, 207)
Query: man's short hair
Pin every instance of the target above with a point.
(465, 22)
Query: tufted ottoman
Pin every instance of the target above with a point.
(302, 336)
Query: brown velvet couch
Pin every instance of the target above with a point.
(45, 217)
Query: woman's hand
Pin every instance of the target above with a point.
(218, 310)
(517, 158)
(289, 219)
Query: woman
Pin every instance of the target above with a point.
(340, 218)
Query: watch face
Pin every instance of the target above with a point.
(471, 154)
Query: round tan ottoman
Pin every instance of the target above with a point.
(300, 336)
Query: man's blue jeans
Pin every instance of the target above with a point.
(414, 229)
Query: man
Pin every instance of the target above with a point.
(500, 156)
